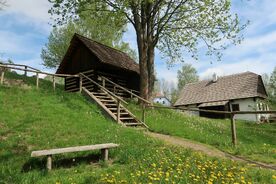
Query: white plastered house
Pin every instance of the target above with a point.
(238, 92)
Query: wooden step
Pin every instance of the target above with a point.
(126, 118)
(108, 105)
(122, 113)
(102, 97)
(112, 109)
(104, 100)
(132, 124)
(96, 93)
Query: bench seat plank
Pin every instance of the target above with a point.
(73, 149)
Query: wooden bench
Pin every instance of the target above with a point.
(103, 147)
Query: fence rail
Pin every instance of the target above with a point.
(31, 70)
(231, 113)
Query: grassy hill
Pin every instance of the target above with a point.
(32, 119)
(255, 141)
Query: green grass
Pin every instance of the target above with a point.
(255, 141)
(32, 119)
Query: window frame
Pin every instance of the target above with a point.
(235, 107)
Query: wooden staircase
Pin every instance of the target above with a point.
(113, 106)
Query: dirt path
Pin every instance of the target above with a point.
(206, 149)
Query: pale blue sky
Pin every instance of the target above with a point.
(25, 27)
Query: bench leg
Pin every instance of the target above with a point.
(49, 162)
(104, 154)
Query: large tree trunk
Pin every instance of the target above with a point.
(150, 48)
(151, 74)
(142, 50)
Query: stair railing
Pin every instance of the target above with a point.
(124, 89)
(117, 98)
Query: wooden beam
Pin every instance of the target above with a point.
(73, 149)
(49, 162)
(143, 114)
(2, 77)
(103, 82)
(37, 71)
(118, 111)
(80, 83)
(25, 72)
(54, 83)
(37, 80)
(233, 130)
(104, 154)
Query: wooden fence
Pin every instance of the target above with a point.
(146, 104)
(26, 69)
(231, 115)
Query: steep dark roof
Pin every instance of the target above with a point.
(238, 86)
(104, 53)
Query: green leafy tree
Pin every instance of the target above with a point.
(266, 81)
(187, 74)
(108, 31)
(174, 95)
(175, 27)
(272, 85)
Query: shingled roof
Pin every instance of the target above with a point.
(238, 86)
(104, 53)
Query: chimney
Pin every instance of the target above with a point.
(215, 77)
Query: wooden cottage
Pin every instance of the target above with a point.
(238, 92)
(95, 60)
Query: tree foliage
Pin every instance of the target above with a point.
(187, 74)
(269, 81)
(272, 84)
(173, 26)
(164, 87)
(101, 28)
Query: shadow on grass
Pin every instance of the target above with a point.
(40, 164)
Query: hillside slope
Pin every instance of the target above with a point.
(32, 119)
(255, 141)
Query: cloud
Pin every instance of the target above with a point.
(36, 10)
(169, 75)
(30, 12)
(257, 45)
(256, 65)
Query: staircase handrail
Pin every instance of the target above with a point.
(126, 90)
(106, 90)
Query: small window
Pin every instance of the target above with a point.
(163, 102)
(235, 107)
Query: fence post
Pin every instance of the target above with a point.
(144, 114)
(103, 82)
(2, 76)
(118, 111)
(131, 96)
(233, 129)
(80, 83)
(54, 83)
(37, 79)
(25, 73)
